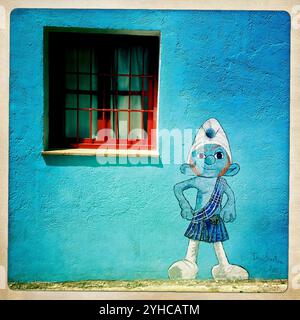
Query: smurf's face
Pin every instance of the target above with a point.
(210, 160)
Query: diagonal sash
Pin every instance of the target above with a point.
(212, 205)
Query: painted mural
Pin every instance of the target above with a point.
(223, 83)
(209, 160)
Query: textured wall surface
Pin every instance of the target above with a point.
(72, 219)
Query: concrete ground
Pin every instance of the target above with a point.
(158, 285)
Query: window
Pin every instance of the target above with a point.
(102, 90)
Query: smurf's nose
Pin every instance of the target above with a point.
(210, 160)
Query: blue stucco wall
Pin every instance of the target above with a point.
(71, 219)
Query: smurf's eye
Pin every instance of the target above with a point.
(219, 155)
(201, 155)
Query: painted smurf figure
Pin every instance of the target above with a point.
(209, 160)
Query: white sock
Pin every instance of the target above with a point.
(221, 255)
(192, 250)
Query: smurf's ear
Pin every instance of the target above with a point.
(232, 170)
(186, 169)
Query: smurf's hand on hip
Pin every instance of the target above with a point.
(229, 214)
(187, 213)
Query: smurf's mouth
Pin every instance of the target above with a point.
(209, 169)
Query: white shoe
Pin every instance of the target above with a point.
(183, 269)
(229, 272)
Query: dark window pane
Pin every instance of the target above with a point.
(71, 60)
(122, 60)
(71, 101)
(84, 101)
(94, 124)
(84, 124)
(70, 123)
(94, 62)
(94, 83)
(136, 84)
(84, 60)
(94, 102)
(145, 106)
(71, 82)
(146, 83)
(145, 122)
(84, 82)
(146, 62)
(137, 60)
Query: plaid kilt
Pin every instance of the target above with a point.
(210, 230)
(207, 225)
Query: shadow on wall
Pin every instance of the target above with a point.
(90, 161)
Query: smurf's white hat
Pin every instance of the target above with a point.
(211, 132)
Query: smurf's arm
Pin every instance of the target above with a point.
(179, 188)
(229, 213)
